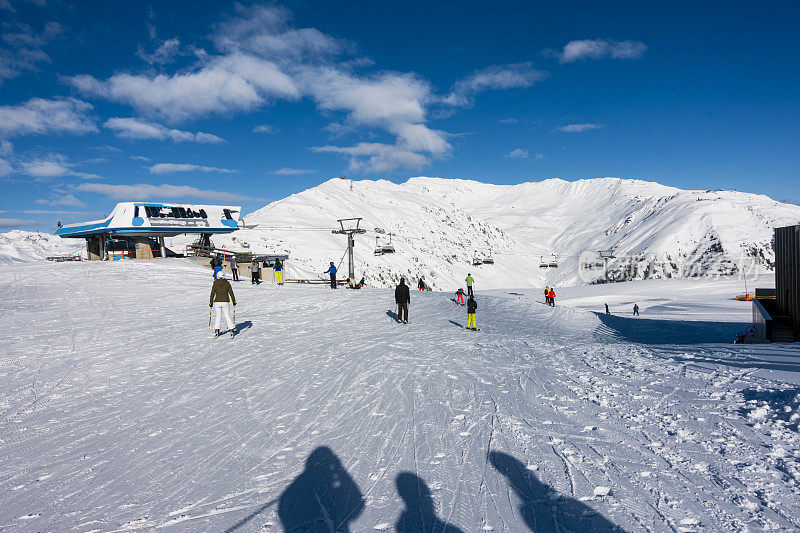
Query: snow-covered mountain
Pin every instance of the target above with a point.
(18, 245)
(441, 225)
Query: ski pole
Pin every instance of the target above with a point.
(234, 314)
(209, 316)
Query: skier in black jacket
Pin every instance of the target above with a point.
(402, 297)
(472, 306)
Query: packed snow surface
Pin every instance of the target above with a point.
(121, 412)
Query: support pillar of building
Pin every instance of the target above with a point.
(163, 247)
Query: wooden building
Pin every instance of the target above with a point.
(787, 275)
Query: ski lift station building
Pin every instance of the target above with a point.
(138, 229)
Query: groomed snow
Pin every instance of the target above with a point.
(121, 412)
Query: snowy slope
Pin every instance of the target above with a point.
(17, 245)
(441, 224)
(119, 412)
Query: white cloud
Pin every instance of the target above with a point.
(492, 78)
(43, 169)
(58, 212)
(5, 167)
(539, 156)
(518, 153)
(579, 128)
(24, 47)
(264, 128)
(15, 222)
(286, 171)
(598, 49)
(508, 120)
(145, 191)
(376, 157)
(266, 31)
(65, 199)
(163, 168)
(132, 128)
(37, 116)
(222, 84)
(166, 53)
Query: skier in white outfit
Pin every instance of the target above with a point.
(221, 297)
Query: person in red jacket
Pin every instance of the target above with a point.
(460, 296)
(552, 296)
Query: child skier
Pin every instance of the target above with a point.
(472, 305)
(460, 296)
(552, 297)
(221, 295)
(635, 309)
(278, 272)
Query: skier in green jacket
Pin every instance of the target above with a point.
(469, 281)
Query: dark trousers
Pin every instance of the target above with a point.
(469, 290)
(254, 278)
(402, 311)
(235, 272)
(333, 281)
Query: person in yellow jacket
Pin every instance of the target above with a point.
(469, 281)
(472, 306)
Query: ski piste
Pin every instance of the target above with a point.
(654, 422)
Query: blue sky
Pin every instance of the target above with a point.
(217, 102)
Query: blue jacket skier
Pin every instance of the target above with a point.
(332, 271)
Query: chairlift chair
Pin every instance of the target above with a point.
(476, 261)
(389, 248)
(487, 259)
(553, 262)
(378, 247)
(542, 262)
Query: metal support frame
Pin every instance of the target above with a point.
(606, 255)
(350, 232)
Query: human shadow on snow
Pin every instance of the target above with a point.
(238, 328)
(391, 314)
(655, 331)
(419, 515)
(456, 323)
(322, 498)
(544, 509)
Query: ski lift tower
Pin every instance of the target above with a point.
(606, 255)
(349, 227)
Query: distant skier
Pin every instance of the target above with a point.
(362, 282)
(635, 309)
(234, 268)
(221, 296)
(421, 284)
(254, 277)
(472, 306)
(460, 296)
(552, 296)
(332, 271)
(402, 297)
(609, 312)
(216, 264)
(469, 282)
(278, 267)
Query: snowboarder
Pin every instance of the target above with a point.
(234, 268)
(421, 284)
(278, 266)
(221, 296)
(254, 277)
(472, 305)
(332, 271)
(362, 282)
(552, 297)
(460, 296)
(469, 281)
(402, 297)
(609, 312)
(216, 265)
(635, 309)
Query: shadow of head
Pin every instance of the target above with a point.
(415, 493)
(522, 480)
